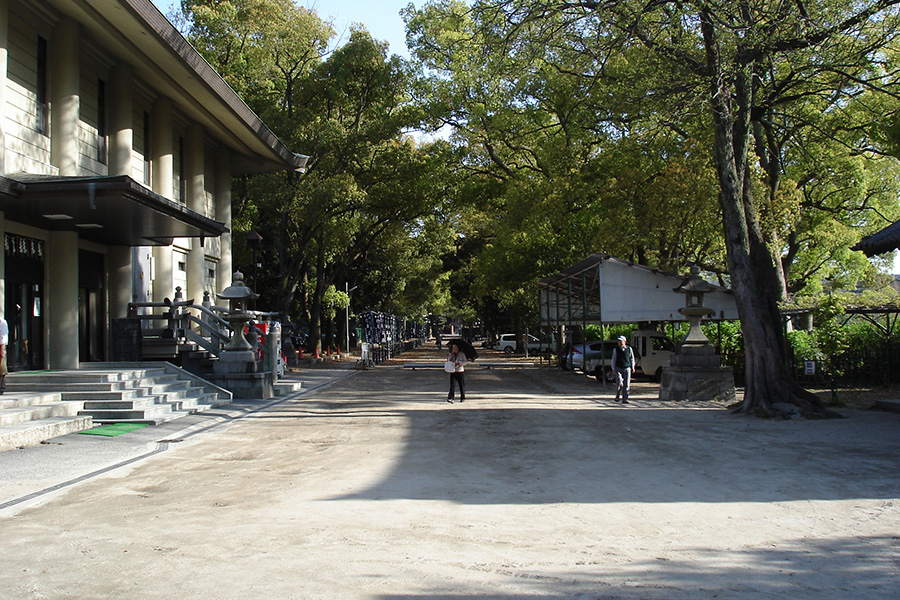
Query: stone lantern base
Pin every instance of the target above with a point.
(697, 374)
(238, 372)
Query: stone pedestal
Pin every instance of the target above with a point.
(238, 372)
(697, 374)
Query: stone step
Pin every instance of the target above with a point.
(111, 392)
(157, 388)
(50, 384)
(283, 388)
(33, 433)
(15, 400)
(132, 404)
(33, 412)
(73, 376)
(204, 401)
(157, 414)
(100, 396)
(161, 413)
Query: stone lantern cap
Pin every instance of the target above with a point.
(237, 290)
(694, 284)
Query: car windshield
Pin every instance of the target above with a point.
(663, 344)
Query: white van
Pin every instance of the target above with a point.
(507, 343)
(652, 351)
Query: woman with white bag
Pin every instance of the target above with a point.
(456, 366)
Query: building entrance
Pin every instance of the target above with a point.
(23, 309)
(91, 312)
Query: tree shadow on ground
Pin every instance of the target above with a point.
(520, 445)
(833, 569)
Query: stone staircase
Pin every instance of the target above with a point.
(99, 393)
(27, 419)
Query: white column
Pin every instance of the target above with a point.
(194, 167)
(163, 171)
(64, 97)
(121, 120)
(62, 299)
(223, 213)
(121, 140)
(4, 62)
(118, 267)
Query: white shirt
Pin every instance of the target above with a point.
(4, 332)
(460, 360)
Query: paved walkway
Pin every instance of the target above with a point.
(30, 475)
(539, 486)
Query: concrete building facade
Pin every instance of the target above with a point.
(119, 144)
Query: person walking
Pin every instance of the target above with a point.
(458, 361)
(623, 364)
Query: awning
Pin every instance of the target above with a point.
(116, 211)
(886, 240)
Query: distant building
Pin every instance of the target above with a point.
(119, 144)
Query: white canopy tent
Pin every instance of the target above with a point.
(605, 290)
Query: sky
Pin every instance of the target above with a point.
(381, 17)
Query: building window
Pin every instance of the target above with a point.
(42, 100)
(102, 121)
(182, 266)
(147, 150)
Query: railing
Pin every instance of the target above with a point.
(209, 331)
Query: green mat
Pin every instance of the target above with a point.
(114, 429)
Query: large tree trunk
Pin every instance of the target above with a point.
(753, 275)
(315, 337)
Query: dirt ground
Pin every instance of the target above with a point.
(539, 486)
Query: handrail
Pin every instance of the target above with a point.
(213, 315)
(214, 331)
(201, 341)
(208, 386)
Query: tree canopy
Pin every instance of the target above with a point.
(772, 107)
(758, 140)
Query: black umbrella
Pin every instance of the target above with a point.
(465, 347)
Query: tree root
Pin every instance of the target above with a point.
(797, 402)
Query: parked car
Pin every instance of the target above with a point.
(652, 351)
(507, 343)
(593, 358)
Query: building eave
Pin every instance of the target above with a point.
(115, 211)
(135, 31)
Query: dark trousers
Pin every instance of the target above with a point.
(458, 379)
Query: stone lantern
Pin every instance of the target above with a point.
(693, 288)
(238, 296)
(237, 368)
(696, 371)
